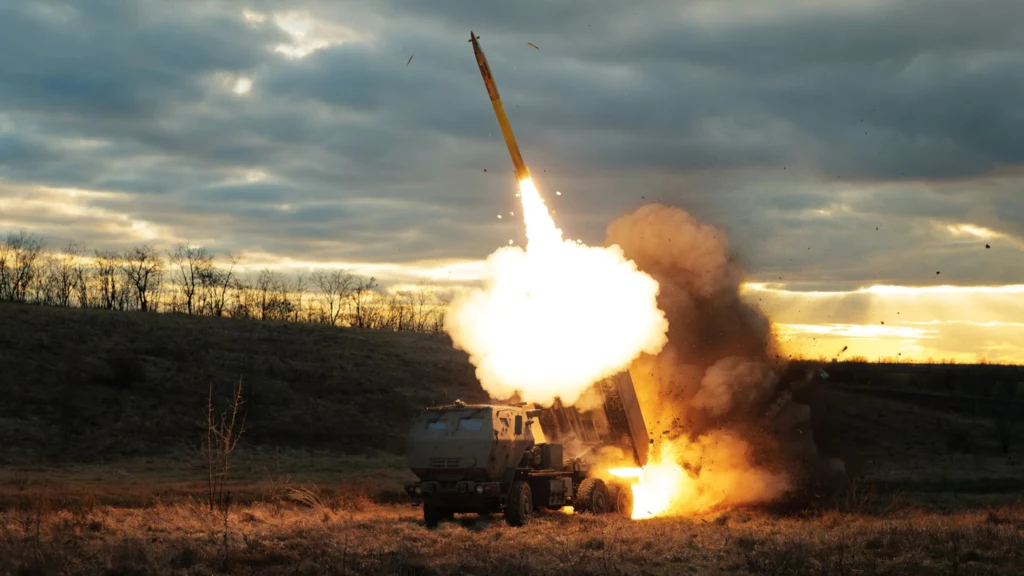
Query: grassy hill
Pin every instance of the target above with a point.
(95, 385)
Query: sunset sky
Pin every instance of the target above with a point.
(865, 158)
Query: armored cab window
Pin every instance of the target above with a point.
(472, 424)
(436, 425)
(519, 425)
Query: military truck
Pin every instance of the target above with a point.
(512, 458)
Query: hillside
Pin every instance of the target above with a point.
(91, 385)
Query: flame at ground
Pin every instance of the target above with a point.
(556, 317)
(688, 478)
(657, 487)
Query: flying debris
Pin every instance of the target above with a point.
(522, 172)
(534, 46)
(408, 61)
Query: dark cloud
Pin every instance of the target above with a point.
(798, 128)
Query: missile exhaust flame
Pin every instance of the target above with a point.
(557, 316)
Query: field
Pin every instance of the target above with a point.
(352, 536)
(100, 471)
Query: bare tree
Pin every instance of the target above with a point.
(399, 312)
(297, 290)
(333, 291)
(437, 314)
(144, 269)
(422, 308)
(132, 278)
(81, 279)
(362, 298)
(243, 305)
(63, 276)
(194, 268)
(223, 280)
(18, 265)
(272, 297)
(44, 285)
(221, 438)
(108, 276)
(264, 296)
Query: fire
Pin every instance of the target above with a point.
(685, 478)
(658, 487)
(557, 316)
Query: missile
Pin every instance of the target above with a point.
(522, 172)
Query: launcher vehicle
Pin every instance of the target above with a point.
(513, 459)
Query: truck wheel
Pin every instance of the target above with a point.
(520, 504)
(592, 496)
(432, 514)
(621, 497)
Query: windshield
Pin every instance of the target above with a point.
(471, 424)
(436, 425)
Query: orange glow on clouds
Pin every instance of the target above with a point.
(906, 323)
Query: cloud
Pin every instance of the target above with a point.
(912, 323)
(839, 144)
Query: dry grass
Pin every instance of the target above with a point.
(258, 476)
(331, 536)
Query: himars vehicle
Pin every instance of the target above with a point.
(515, 459)
(510, 458)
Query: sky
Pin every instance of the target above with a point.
(864, 157)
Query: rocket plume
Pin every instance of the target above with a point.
(557, 316)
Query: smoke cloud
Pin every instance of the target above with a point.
(720, 357)
(720, 365)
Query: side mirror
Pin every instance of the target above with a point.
(519, 425)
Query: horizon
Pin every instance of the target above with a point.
(805, 342)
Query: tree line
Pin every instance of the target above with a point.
(187, 280)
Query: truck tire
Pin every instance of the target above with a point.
(432, 514)
(621, 498)
(592, 496)
(520, 504)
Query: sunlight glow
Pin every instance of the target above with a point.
(243, 86)
(972, 230)
(310, 34)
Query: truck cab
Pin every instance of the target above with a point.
(511, 458)
(463, 454)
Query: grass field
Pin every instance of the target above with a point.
(354, 536)
(100, 474)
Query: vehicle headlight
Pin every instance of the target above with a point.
(419, 490)
(479, 488)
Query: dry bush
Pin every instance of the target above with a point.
(312, 498)
(223, 431)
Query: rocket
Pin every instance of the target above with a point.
(522, 172)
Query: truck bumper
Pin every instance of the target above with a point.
(459, 496)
